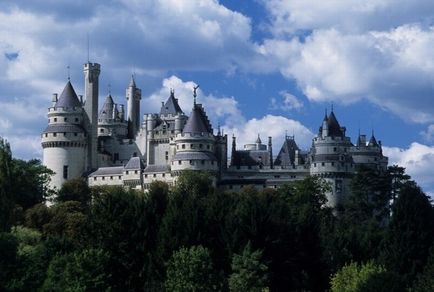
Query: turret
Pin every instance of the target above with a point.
(91, 82)
(133, 95)
(54, 100)
(121, 114)
(270, 151)
(64, 140)
(331, 160)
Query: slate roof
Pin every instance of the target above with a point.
(250, 158)
(194, 156)
(198, 121)
(286, 154)
(373, 141)
(107, 108)
(68, 98)
(65, 128)
(171, 106)
(157, 168)
(134, 163)
(333, 126)
(115, 170)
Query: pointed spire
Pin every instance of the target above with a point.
(132, 81)
(325, 115)
(258, 140)
(373, 141)
(68, 97)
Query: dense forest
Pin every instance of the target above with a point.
(193, 237)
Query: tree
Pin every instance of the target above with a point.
(30, 182)
(117, 224)
(85, 270)
(410, 233)
(425, 280)
(248, 271)
(191, 269)
(32, 260)
(367, 277)
(6, 199)
(8, 259)
(75, 189)
(69, 220)
(398, 179)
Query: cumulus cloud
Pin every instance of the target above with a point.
(275, 126)
(220, 110)
(290, 16)
(393, 69)
(288, 102)
(418, 160)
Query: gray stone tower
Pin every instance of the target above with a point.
(91, 85)
(330, 159)
(134, 95)
(64, 140)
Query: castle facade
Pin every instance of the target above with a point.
(109, 146)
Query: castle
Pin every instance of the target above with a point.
(111, 147)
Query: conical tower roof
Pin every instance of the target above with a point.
(334, 128)
(197, 122)
(373, 141)
(132, 82)
(258, 140)
(68, 98)
(107, 108)
(171, 106)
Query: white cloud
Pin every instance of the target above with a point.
(289, 102)
(289, 16)
(418, 160)
(428, 135)
(393, 69)
(223, 110)
(275, 126)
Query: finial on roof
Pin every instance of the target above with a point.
(132, 81)
(195, 93)
(332, 107)
(172, 92)
(88, 48)
(218, 127)
(109, 87)
(69, 73)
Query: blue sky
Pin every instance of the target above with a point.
(264, 66)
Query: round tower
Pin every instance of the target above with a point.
(64, 141)
(195, 146)
(331, 159)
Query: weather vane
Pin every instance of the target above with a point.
(194, 92)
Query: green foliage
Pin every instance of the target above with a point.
(425, 280)
(248, 271)
(8, 258)
(359, 227)
(85, 270)
(68, 219)
(6, 199)
(37, 216)
(117, 224)
(32, 260)
(367, 277)
(398, 179)
(191, 269)
(30, 182)
(410, 233)
(75, 189)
